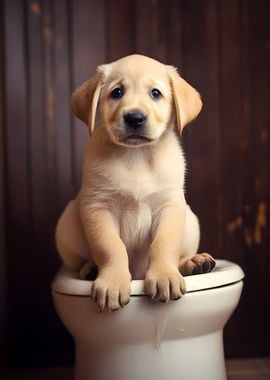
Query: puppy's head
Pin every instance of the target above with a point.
(136, 99)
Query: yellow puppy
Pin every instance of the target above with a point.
(130, 217)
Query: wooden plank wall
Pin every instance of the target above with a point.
(50, 47)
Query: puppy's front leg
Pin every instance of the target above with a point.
(163, 280)
(111, 289)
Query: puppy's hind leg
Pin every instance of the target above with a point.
(190, 261)
(70, 240)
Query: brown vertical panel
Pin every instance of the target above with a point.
(29, 298)
(175, 44)
(146, 27)
(255, 176)
(151, 28)
(88, 51)
(43, 137)
(233, 131)
(159, 30)
(231, 138)
(175, 35)
(37, 126)
(31, 153)
(62, 94)
(49, 100)
(16, 119)
(120, 28)
(3, 259)
(200, 39)
(38, 164)
(259, 92)
(51, 158)
(17, 181)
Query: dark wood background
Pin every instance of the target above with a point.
(50, 47)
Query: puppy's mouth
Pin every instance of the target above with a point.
(136, 139)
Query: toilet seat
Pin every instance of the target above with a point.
(225, 273)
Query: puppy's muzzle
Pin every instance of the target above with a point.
(134, 119)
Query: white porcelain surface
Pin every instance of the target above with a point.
(225, 272)
(150, 341)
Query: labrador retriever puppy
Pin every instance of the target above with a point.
(130, 217)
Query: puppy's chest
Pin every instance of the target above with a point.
(135, 222)
(134, 184)
(135, 192)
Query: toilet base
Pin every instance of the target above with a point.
(180, 340)
(194, 358)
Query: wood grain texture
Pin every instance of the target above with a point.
(203, 150)
(49, 48)
(88, 41)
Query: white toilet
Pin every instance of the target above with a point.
(179, 340)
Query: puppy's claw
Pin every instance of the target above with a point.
(150, 288)
(110, 295)
(213, 264)
(124, 299)
(164, 287)
(197, 264)
(206, 266)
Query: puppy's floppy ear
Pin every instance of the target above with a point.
(187, 100)
(85, 99)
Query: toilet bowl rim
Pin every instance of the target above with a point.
(225, 273)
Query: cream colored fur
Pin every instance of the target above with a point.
(130, 217)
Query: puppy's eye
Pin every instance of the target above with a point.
(155, 93)
(117, 93)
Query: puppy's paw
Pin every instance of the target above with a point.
(111, 290)
(164, 284)
(197, 264)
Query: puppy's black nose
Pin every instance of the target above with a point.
(134, 119)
